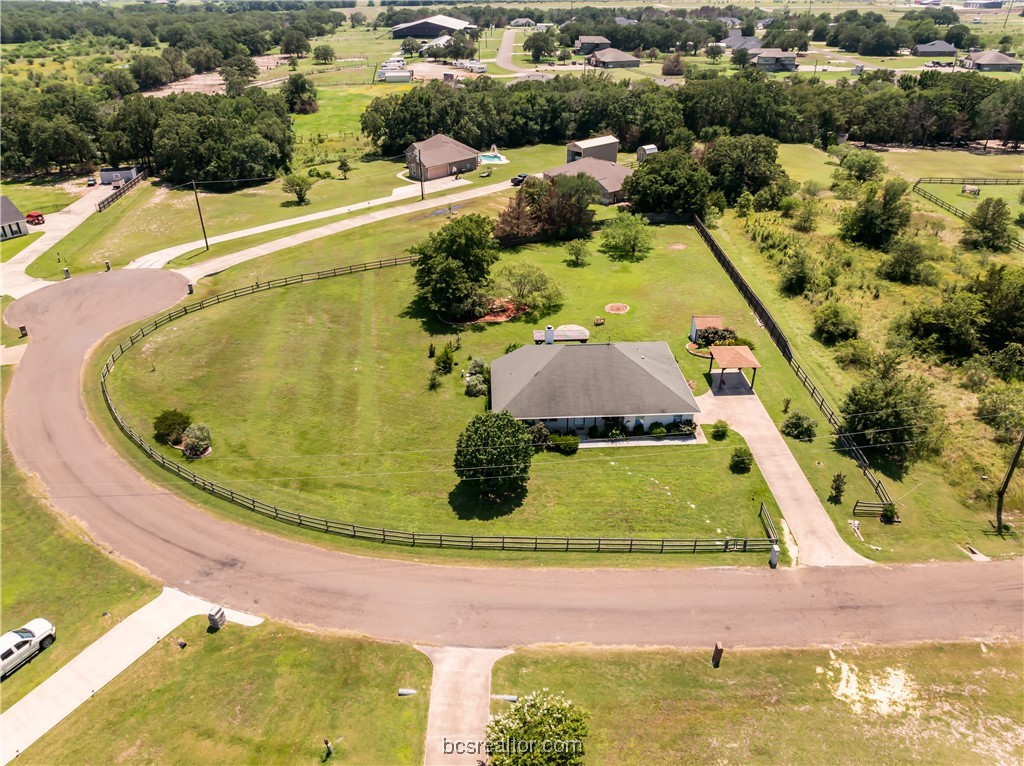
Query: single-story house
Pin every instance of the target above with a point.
(622, 21)
(983, 3)
(602, 147)
(773, 60)
(533, 77)
(736, 41)
(12, 220)
(437, 42)
(731, 22)
(934, 48)
(612, 58)
(990, 61)
(703, 322)
(609, 176)
(439, 156)
(572, 387)
(589, 43)
(432, 26)
(522, 22)
(645, 151)
(109, 175)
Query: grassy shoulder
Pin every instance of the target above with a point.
(9, 336)
(941, 703)
(50, 568)
(268, 694)
(11, 247)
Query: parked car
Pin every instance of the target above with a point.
(518, 180)
(35, 218)
(19, 646)
(91, 182)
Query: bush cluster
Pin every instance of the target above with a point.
(799, 426)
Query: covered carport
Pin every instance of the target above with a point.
(738, 358)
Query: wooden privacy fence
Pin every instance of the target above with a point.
(778, 337)
(963, 214)
(397, 536)
(128, 186)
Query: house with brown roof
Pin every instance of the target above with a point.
(610, 176)
(612, 58)
(773, 60)
(990, 61)
(572, 387)
(589, 43)
(439, 156)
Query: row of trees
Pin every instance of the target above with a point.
(923, 109)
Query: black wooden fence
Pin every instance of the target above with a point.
(128, 186)
(779, 338)
(397, 536)
(973, 181)
(963, 214)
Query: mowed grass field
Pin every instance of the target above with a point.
(335, 385)
(50, 569)
(11, 247)
(943, 703)
(269, 694)
(38, 194)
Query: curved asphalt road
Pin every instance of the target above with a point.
(486, 607)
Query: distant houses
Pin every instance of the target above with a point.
(439, 156)
(587, 44)
(612, 58)
(736, 41)
(523, 22)
(773, 60)
(990, 61)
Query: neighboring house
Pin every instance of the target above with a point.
(602, 147)
(609, 176)
(645, 151)
(983, 4)
(522, 23)
(990, 61)
(439, 156)
(622, 21)
(735, 42)
(731, 22)
(612, 58)
(572, 387)
(533, 77)
(437, 42)
(703, 322)
(589, 43)
(12, 220)
(773, 60)
(934, 48)
(109, 175)
(432, 26)
(764, 23)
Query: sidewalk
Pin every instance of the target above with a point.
(98, 664)
(160, 258)
(819, 543)
(58, 225)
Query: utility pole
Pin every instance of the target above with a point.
(1006, 485)
(419, 165)
(200, 209)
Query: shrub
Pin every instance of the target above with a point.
(513, 346)
(889, 515)
(539, 436)
(1000, 407)
(477, 367)
(196, 440)
(976, 374)
(615, 433)
(594, 432)
(741, 461)
(476, 385)
(565, 444)
(799, 426)
(739, 340)
(715, 336)
(788, 206)
(431, 351)
(658, 430)
(434, 382)
(834, 322)
(169, 426)
(855, 353)
(719, 430)
(686, 428)
(838, 487)
(444, 360)
(638, 429)
(1008, 362)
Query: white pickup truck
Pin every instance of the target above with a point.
(19, 646)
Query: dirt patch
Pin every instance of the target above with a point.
(208, 82)
(891, 692)
(677, 246)
(502, 310)
(616, 308)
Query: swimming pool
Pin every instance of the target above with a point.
(493, 158)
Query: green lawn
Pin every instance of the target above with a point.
(269, 694)
(360, 363)
(936, 703)
(37, 194)
(51, 569)
(951, 193)
(944, 163)
(9, 336)
(805, 163)
(12, 247)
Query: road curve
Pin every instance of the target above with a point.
(190, 549)
(505, 50)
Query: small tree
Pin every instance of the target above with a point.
(719, 430)
(799, 426)
(834, 322)
(195, 441)
(742, 460)
(531, 724)
(861, 165)
(805, 216)
(579, 253)
(988, 226)
(745, 203)
(344, 166)
(627, 237)
(357, 19)
(740, 58)
(674, 66)
(169, 425)
(300, 94)
(410, 45)
(879, 217)
(714, 53)
(324, 54)
(541, 45)
(530, 287)
(494, 453)
(293, 63)
(838, 488)
(299, 186)
(652, 54)
(294, 43)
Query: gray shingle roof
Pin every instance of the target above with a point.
(590, 380)
(936, 46)
(442, 150)
(9, 212)
(609, 175)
